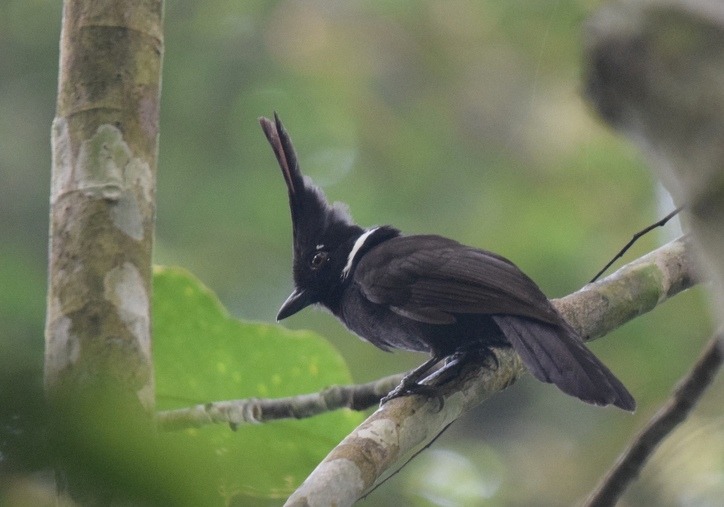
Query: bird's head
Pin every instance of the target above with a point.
(324, 234)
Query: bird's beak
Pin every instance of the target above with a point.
(296, 301)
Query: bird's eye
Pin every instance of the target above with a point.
(318, 260)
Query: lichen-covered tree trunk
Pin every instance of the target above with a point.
(105, 146)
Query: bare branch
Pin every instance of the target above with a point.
(254, 410)
(674, 412)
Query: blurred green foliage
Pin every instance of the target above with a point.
(460, 117)
(202, 355)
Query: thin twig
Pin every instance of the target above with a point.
(635, 238)
(399, 469)
(685, 396)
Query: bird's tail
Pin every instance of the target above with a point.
(556, 355)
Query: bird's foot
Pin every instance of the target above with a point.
(409, 388)
(410, 384)
(472, 354)
(454, 363)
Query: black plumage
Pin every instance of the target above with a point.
(428, 293)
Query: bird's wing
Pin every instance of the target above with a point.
(430, 279)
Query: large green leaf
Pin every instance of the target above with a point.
(202, 354)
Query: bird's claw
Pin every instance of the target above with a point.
(410, 388)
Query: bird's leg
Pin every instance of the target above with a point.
(473, 353)
(454, 363)
(409, 384)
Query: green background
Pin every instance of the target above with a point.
(462, 118)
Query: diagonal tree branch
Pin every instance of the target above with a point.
(673, 413)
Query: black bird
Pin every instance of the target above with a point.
(428, 293)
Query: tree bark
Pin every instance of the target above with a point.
(105, 146)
